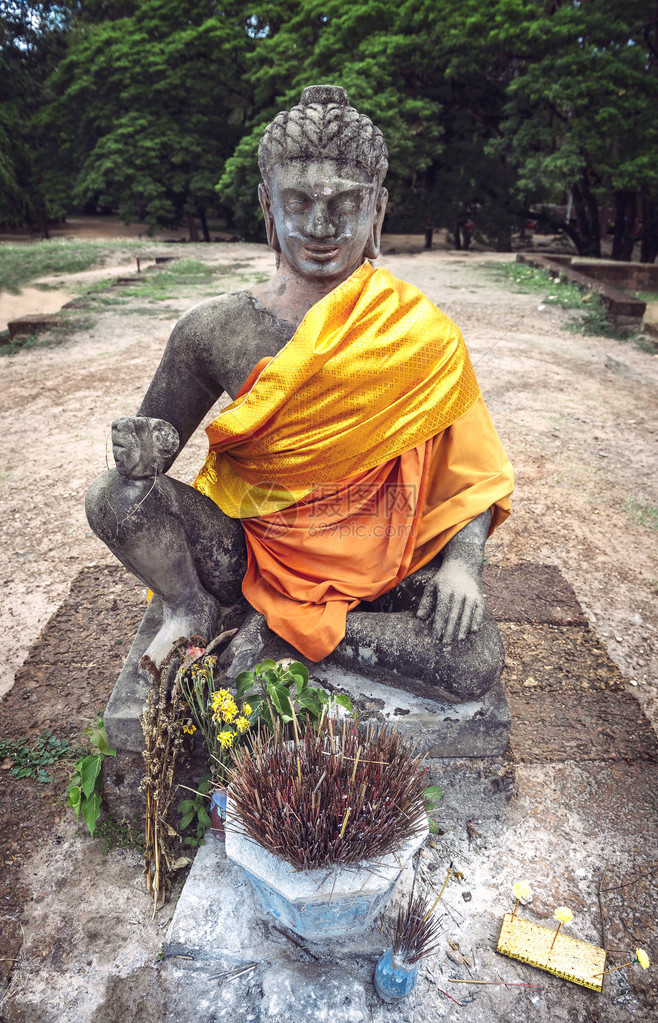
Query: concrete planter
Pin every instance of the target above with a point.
(318, 904)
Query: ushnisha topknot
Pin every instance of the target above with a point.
(323, 125)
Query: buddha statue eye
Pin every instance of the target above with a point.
(295, 206)
(347, 206)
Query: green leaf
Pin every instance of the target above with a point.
(186, 820)
(186, 805)
(433, 793)
(91, 809)
(265, 666)
(204, 817)
(98, 738)
(309, 701)
(281, 700)
(74, 799)
(89, 771)
(270, 677)
(297, 668)
(245, 681)
(344, 702)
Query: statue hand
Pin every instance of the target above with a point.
(454, 596)
(143, 447)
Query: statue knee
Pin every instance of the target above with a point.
(471, 668)
(110, 500)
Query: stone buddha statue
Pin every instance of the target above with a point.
(352, 481)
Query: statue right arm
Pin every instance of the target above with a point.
(184, 388)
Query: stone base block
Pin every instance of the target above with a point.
(479, 728)
(473, 788)
(128, 697)
(122, 777)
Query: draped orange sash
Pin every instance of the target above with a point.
(316, 551)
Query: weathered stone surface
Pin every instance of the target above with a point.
(311, 994)
(129, 695)
(33, 323)
(479, 728)
(218, 916)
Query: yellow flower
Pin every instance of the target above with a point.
(226, 739)
(229, 711)
(642, 958)
(242, 724)
(522, 891)
(246, 710)
(564, 915)
(189, 729)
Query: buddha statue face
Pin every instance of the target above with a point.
(323, 164)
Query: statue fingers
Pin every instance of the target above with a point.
(467, 618)
(444, 602)
(478, 615)
(427, 601)
(453, 620)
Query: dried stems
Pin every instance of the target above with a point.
(162, 723)
(329, 798)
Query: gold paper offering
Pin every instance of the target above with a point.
(570, 958)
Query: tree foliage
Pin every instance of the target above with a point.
(491, 111)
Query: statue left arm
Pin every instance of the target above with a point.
(454, 595)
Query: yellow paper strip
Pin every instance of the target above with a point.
(571, 959)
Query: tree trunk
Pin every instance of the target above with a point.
(504, 240)
(626, 212)
(649, 229)
(587, 217)
(191, 224)
(204, 223)
(429, 232)
(593, 217)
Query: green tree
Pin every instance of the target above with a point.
(149, 105)
(31, 41)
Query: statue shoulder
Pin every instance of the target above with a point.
(228, 315)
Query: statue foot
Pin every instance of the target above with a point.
(200, 617)
(245, 649)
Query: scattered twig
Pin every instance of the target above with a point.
(627, 884)
(504, 983)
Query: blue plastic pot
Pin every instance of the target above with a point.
(218, 812)
(393, 978)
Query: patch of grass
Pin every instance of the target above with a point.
(168, 283)
(523, 279)
(646, 296)
(123, 834)
(32, 761)
(643, 514)
(592, 318)
(21, 262)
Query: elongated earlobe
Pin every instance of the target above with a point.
(265, 205)
(372, 248)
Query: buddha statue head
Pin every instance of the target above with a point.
(323, 165)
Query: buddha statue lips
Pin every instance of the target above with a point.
(356, 469)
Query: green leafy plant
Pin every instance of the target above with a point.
(193, 812)
(85, 789)
(431, 795)
(32, 761)
(123, 834)
(280, 691)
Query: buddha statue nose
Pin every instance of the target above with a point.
(321, 225)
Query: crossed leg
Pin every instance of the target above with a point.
(178, 542)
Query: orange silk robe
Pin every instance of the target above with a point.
(353, 456)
